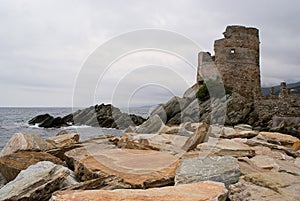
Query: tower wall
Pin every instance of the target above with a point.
(237, 59)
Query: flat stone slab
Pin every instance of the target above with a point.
(278, 138)
(202, 191)
(225, 147)
(220, 169)
(139, 168)
(266, 186)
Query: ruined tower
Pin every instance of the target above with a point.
(237, 60)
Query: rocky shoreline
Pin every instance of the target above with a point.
(190, 161)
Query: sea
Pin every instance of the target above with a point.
(15, 120)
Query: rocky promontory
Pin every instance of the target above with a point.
(106, 116)
(190, 161)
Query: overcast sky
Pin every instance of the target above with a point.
(44, 45)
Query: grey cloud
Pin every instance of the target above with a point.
(45, 43)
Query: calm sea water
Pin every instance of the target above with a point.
(15, 120)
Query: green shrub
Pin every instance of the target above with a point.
(213, 88)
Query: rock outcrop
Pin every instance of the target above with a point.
(102, 115)
(201, 191)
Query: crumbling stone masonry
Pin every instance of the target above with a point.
(237, 60)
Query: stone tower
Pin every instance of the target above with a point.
(237, 60)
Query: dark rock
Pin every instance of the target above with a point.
(40, 119)
(102, 115)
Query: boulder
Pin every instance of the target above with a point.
(24, 141)
(138, 168)
(160, 111)
(174, 106)
(225, 147)
(201, 191)
(278, 138)
(198, 137)
(191, 92)
(220, 169)
(37, 182)
(64, 140)
(266, 186)
(12, 164)
(153, 125)
(40, 119)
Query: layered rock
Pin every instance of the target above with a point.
(37, 182)
(220, 169)
(225, 147)
(153, 125)
(66, 139)
(266, 186)
(201, 191)
(12, 164)
(138, 168)
(24, 141)
(102, 115)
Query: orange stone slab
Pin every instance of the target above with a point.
(202, 191)
(139, 168)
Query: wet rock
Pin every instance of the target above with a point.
(102, 115)
(40, 119)
(138, 168)
(198, 137)
(201, 191)
(266, 186)
(12, 164)
(153, 125)
(64, 140)
(220, 169)
(225, 147)
(24, 141)
(37, 182)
